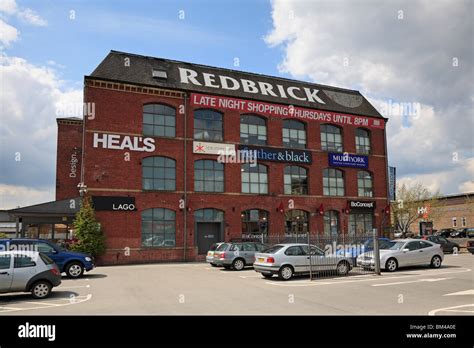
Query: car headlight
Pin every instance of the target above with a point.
(88, 259)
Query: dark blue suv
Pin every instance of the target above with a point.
(70, 262)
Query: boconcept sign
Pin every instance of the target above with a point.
(190, 76)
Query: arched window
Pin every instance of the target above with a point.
(331, 138)
(333, 182)
(296, 180)
(208, 215)
(362, 141)
(158, 227)
(208, 176)
(294, 134)
(297, 221)
(253, 130)
(159, 173)
(254, 178)
(331, 223)
(254, 221)
(364, 184)
(159, 120)
(208, 125)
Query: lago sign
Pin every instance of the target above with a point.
(114, 203)
(278, 155)
(347, 160)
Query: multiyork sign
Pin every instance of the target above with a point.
(114, 203)
(362, 204)
(278, 155)
(123, 142)
(213, 148)
(347, 160)
(250, 87)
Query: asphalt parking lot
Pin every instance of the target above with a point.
(197, 288)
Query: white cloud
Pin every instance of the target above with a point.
(8, 33)
(10, 8)
(354, 44)
(13, 196)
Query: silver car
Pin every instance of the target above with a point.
(237, 255)
(210, 254)
(28, 271)
(405, 252)
(287, 260)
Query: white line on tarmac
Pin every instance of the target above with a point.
(451, 309)
(70, 302)
(74, 287)
(466, 292)
(412, 281)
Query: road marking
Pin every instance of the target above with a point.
(412, 281)
(252, 276)
(375, 278)
(73, 287)
(466, 292)
(452, 309)
(43, 303)
(76, 300)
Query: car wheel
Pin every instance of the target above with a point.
(226, 266)
(285, 273)
(455, 250)
(436, 262)
(74, 270)
(41, 289)
(238, 264)
(391, 265)
(342, 268)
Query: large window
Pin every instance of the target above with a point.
(297, 222)
(362, 141)
(331, 223)
(364, 184)
(254, 221)
(208, 176)
(331, 138)
(208, 125)
(209, 215)
(360, 224)
(296, 180)
(158, 227)
(159, 120)
(294, 134)
(333, 182)
(254, 178)
(253, 130)
(159, 173)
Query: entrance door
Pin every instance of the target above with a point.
(207, 234)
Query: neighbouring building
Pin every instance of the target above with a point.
(177, 156)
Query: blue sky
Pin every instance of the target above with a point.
(399, 51)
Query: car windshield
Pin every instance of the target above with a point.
(222, 247)
(273, 249)
(213, 247)
(396, 245)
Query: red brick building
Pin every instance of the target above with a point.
(148, 153)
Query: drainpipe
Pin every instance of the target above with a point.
(387, 176)
(185, 177)
(83, 150)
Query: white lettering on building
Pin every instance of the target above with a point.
(123, 142)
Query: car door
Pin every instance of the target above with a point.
(24, 268)
(51, 252)
(6, 272)
(427, 251)
(318, 261)
(248, 252)
(411, 256)
(296, 257)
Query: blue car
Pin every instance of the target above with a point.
(355, 250)
(70, 262)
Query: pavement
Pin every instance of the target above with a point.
(198, 288)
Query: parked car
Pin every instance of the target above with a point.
(25, 271)
(70, 262)
(368, 245)
(470, 246)
(463, 233)
(446, 245)
(237, 255)
(210, 254)
(445, 232)
(287, 260)
(405, 252)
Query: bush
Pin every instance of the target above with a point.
(90, 238)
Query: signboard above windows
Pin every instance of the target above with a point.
(213, 148)
(347, 160)
(279, 155)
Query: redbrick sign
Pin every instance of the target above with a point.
(251, 106)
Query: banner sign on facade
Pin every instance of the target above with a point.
(392, 183)
(114, 203)
(251, 106)
(279, 155)
(213, 148)
(347, 160)
(361, 204)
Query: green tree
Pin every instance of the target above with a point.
(3, 235)
(90, 237)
